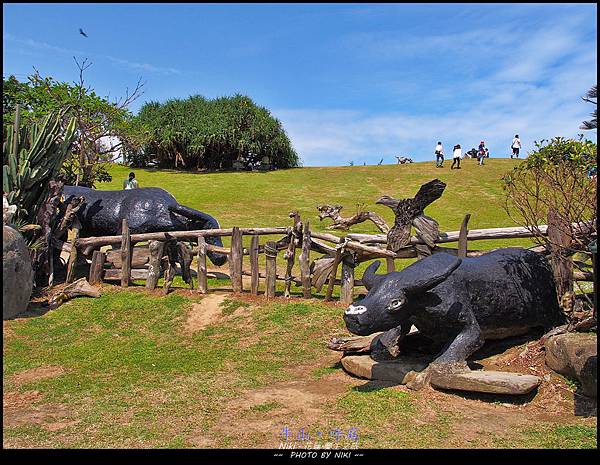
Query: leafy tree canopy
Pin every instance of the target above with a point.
(200, 133)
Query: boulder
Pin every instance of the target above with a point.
(17, 273)
(492, 382)
(397, 370)
(575, 355)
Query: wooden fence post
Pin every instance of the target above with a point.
(304, 261)
(235, 260)
(391, 267)
(462, 236)
(254, 272)
(271, 265)
(347, 280)
(336, 262)
(73, 254)
(156, 252)
(202, 278)
(97, 267)
(125, 254)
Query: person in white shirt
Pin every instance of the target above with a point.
(516, 146)
(456, 156)
(439, 155)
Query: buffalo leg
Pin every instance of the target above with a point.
(466, 342)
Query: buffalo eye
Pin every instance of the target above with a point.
(396, 304)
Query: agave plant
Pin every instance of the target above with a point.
(40, 152)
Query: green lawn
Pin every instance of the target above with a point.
(124, 370)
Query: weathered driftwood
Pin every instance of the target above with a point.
(334, 266)
(409, 212)
(235, 260)
(304, 261)
(347, 280)
(201, 259)
(135, 274)
(125, 254)
(184, 258)
(155, 250)
(271, 268)
(339, 222)
(352, 344)
(97, 267)
(463, 236)
(88, 243)
(559, 240)
(73, 254)
(78, 288)
(290, 254)
(254, 271)
(294, 279)
(452, 236)
(320, 271)
(140, 257)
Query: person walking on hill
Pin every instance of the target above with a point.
(456, 156)
(439, 155)
(481, 152)
(131, 182)
(516, 146)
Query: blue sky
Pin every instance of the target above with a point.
(350, 82)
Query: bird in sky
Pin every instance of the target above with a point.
(82, 33)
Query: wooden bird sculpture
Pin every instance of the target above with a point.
(409, 212)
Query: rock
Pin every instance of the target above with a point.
(575, 355)
(493, 382)
(364, 366)
(17, 273)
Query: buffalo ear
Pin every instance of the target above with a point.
(433, 270)
(369, 278)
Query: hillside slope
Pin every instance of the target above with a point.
(248, 199)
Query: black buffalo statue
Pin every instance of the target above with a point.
(147, 210)
(458, 303)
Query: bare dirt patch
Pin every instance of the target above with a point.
(205, 313)
(36, 374)
(20, 409)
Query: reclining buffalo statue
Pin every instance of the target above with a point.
(147, 210)
(457, 304)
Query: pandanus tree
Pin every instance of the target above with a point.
(200, 133)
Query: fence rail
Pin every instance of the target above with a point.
(166, 250)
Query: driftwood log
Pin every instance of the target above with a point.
(409, 212)
(78, 288)
(339, 222)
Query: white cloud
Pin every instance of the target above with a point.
(530, 82)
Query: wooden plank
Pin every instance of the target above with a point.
(114, 274)
(347, 280)
(169, 274)
(125, 254)
(304, 261)
(271, 268)
(235, 260)
(155, 250)
(463, 236)
(201, 258)
(97, 267)
(254, 271)
(140, 257)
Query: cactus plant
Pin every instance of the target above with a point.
(42, 149)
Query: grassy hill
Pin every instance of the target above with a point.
(248, 199)
(135, 368)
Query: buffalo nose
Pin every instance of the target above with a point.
(355, 310)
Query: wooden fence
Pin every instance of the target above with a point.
(164, 250)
